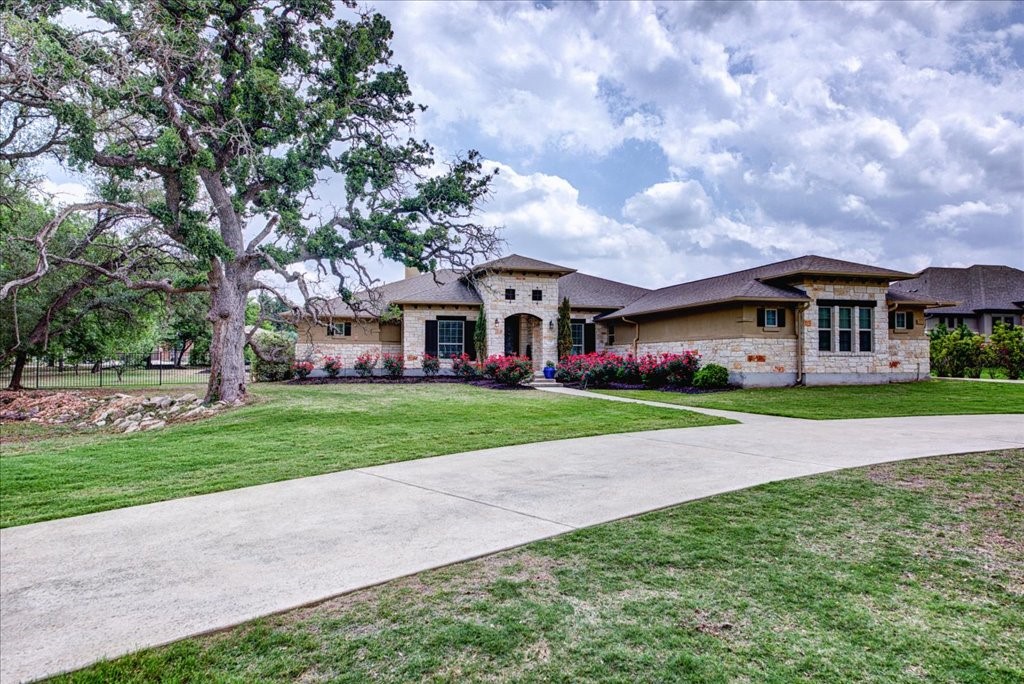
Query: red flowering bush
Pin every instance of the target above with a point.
(508, 370)
(365, 363)
(332, 366)
(394, 365)
(464, 367)
(431, 365)
(302, 369)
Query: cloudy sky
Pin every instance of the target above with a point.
(654, 143)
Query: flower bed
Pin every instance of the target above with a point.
(602, 369)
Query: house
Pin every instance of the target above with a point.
(977, 296)
(811, 320)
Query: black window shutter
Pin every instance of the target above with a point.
(468, 329)
(760, 316)
(431, 337)
(892, 320)
(589, 338)
(910, 320)
(782, 318)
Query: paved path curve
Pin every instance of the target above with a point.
(75, 590)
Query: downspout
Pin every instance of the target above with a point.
(801, 335)
(636, 338)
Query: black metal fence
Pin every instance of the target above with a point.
(166, 367)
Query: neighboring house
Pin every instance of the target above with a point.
(978, 296)
(809, 320)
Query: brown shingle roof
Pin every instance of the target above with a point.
(976, 288)
(590, 292)
(447, 288)
(515, 262)
(762, 283)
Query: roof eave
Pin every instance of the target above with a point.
(885, 275)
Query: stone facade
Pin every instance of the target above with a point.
(538, 319)
(414, 320)
(883, 363)
(752, 362)
(348, 351)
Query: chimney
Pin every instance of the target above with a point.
(411, 272)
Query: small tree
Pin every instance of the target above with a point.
(480, 335)
(564, 329)
(1005, 349)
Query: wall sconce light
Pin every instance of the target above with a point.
(497, 322)
(551, 324)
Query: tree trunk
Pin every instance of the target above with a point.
(20, 359)
(229, 286)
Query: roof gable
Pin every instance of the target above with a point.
(516, 262)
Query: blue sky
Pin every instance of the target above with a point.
(659, 142)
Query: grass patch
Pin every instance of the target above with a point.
(928, 398)
(295, 431)
(897, 573)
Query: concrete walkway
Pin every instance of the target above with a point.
(76, 590)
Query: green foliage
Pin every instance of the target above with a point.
(957, 354)
(480, 335)
(393, 365)
(711, 376)
(276, 357)
(564, 329)
(1005, 349)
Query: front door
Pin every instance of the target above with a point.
(511, 335)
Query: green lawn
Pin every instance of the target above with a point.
(929, 398)
(294, 431)
(905, 572)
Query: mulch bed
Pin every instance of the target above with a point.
(413, 380)
(677, 390)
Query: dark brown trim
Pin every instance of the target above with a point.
(863, 303)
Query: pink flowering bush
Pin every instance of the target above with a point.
(431, 365)
(508, 370)
(302, 369)
(394, 365)
(464, 367)
(600, 369)
(365, 363)
(332, 366)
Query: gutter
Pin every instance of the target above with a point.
(801, 337)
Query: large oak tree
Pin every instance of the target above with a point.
(224, 123)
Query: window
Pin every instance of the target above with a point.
(449, 338)
(824, 328)
(339, 329)
(771, 318)
(864, 328)
(538, 295)
(845, 328)
(510, 293)
(611, 335)
(839, 326)
(901, 320)
(951, 322)
(577, 337)
(1005, 320)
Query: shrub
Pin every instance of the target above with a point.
(508, 370)
(629, 371)
(302, 369)
(394, 365)
(332, 366)
(431, 365)
(464, 367)
(680, 368)
(711, 376)
(365, 363)
(1005, 349)
(958, 353)
(277, 354)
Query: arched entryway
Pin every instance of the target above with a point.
(524, 335)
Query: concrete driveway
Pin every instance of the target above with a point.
(76, 590)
